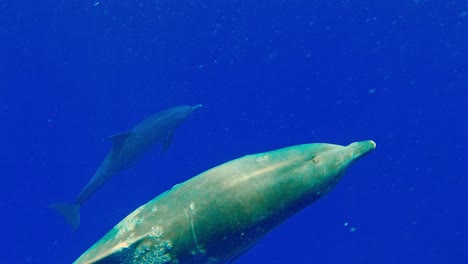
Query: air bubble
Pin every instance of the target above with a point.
(155, 232)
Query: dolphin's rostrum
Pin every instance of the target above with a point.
(220, 214)
(127, 147)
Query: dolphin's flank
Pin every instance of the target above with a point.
(127, 147)
(221, 213)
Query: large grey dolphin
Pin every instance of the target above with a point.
(127, 147)
(220, 214)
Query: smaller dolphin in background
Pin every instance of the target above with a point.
(127, 147)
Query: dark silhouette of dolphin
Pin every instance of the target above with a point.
(127, 147)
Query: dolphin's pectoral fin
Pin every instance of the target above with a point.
(167, 141)
(119, 138)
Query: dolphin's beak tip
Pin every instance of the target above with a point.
(373, 143)
(361, 148)
(195, 108)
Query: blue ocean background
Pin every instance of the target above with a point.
(269, 74)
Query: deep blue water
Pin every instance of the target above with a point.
(270, 74)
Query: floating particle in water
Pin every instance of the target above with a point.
(351, 228)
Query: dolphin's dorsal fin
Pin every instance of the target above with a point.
(119, 138)
(167, 141)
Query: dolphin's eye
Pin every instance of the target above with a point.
(314, 160)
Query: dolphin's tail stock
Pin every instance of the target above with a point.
(71, 212)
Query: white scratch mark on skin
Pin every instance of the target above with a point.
(193, 232)
(192, 223)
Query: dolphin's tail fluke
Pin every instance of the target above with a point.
(71, 212)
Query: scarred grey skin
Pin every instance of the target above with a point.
(127, 147)
(221, 213)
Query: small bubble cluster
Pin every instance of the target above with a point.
(129, 223)
(198, 251)
(153, 250)
(212, 260)
(263, 158)
(156, 232)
